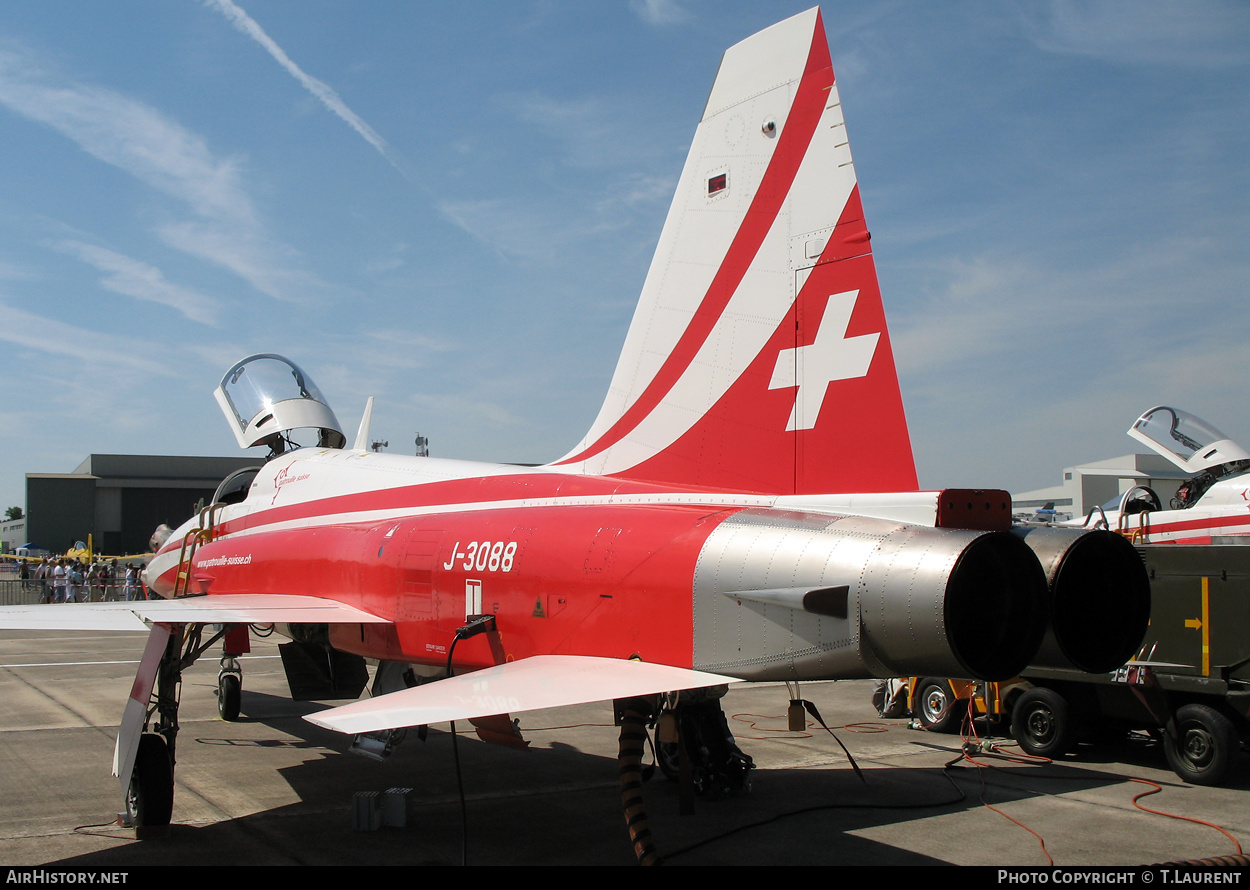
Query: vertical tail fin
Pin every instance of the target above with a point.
(758, 357)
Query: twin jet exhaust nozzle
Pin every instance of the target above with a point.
(878, 598)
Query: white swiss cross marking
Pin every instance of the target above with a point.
(833, 356)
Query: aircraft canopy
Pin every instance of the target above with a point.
(266, 396)
(1187, 441)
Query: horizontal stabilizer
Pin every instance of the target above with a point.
(242, 609)
(544, 681)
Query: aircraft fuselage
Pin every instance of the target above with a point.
(750, 585)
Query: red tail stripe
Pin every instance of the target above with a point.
(805, 114)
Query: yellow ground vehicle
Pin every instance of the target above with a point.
(941, 703)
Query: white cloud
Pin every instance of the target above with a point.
(160, 152)
(82, 346)
(509, 229)
(1201, 33)
(549, 231)
(659, 12)
(129, 135)
(250, 255)
(133, 278)
(1016, 364)
(14, 271)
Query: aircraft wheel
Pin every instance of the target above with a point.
(150, 798)
(1206, 745)
(229, 696)
(936, 706)
(1042, 723)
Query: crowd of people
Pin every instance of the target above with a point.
(67, 580)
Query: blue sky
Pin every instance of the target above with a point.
(452, 207)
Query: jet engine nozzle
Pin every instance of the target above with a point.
(790, 595)
(1099, 597)
(973, 605)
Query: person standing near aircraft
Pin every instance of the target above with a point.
(74, 579)
(132, 579)
(90, 578)
(41, 578)
(58, 582)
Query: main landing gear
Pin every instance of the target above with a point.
(693, 746)
(714, 765)
(150, 796)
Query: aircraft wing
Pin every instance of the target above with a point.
(139, 614)
(543, 681)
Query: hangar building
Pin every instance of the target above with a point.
(120, 499)
(1088, 486)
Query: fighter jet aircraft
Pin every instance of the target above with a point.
(743, 508)
(1213, 503)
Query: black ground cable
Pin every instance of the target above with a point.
(478, 625)
(811, 709)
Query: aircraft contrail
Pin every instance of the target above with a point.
(330, 99)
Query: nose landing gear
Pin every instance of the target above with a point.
(229, 688)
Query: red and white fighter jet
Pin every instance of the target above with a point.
(1211, 506)
(743, 508)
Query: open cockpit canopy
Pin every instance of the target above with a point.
(1187, 441)
(266, 397)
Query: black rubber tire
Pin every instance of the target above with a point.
(935, 705)
(1042, 723)
(150, 798)
(1205, 748)
(229, 696)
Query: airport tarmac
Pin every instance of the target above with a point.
(274, 789)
